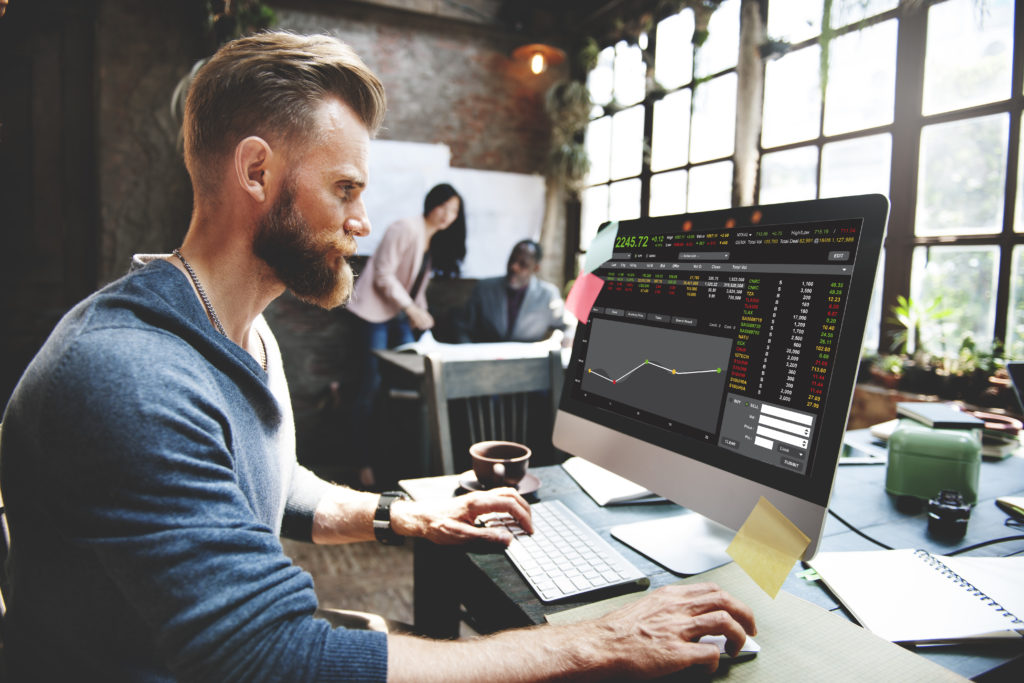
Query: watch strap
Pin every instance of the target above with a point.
(382, 518)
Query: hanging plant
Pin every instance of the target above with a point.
(568, 105)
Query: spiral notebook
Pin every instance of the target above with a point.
(912, 596)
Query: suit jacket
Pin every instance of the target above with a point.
(485, 317)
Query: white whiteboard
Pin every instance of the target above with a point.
(501, 208)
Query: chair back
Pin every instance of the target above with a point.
(488, 399)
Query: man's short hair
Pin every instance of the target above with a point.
(532, 245)
(270, 85)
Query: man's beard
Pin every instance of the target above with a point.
(315, 272)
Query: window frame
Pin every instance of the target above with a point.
(905, 131)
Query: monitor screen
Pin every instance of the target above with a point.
(719, 359)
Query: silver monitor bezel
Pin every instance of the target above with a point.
(639, 453)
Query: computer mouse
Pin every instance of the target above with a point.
(748, 651)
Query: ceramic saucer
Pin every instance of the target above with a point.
(529, 484)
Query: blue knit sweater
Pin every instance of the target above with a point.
(148, 466)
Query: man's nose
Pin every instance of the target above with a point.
(358, 224)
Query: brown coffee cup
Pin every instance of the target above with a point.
(500, 463)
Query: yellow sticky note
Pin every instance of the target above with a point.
(767, 546)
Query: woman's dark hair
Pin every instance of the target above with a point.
(447, 247)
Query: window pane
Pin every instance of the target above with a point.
(668, 193)
(962, 176)
(846, 12)
(722, 48)
(789, 176)
(673, 63)
(714, 119)
(671, 135)
(873, 326)
(962, 280)
(1015, 319)
(710, 187)
(861, 79)
(627, 142)
(792, 98)
(857, 166)
(593, 212)
(1018, 214)
(599, 80)
(969, 54)
(599, 149)
(630, 74)
(624, 200)
(794, 20)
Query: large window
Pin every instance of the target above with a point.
(922, 104)
(686, 121)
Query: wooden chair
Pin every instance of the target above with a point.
(492, 399)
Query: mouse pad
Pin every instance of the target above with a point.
(799, 640)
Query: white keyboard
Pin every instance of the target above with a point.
(564, 557)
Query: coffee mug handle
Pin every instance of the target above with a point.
(499, 471)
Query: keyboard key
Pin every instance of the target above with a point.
(565, 557)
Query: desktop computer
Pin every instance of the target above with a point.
(718, 363)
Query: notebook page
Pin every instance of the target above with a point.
(1000, 578)
(902, 598)
(603, 486)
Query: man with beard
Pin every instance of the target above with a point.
(148, 455)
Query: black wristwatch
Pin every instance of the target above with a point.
(382, 518)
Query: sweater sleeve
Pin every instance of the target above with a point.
(396, 250)
(305, 494)
(144, 482)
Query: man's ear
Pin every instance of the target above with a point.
(252, 166)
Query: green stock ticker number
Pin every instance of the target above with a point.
(631, 241)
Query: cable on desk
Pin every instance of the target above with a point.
(857, 531)
(960, 551)
(969, 548)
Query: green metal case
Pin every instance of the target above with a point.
(924, 461)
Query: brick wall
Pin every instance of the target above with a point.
(447, 82)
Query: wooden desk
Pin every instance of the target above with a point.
(495, 597)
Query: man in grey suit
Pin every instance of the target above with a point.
(517, 307)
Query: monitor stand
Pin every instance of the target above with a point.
(684, 544)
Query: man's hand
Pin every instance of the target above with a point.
(656, 635)
(453, 521)
(651, 637)
(419, 318)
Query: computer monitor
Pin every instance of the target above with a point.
(718, 364)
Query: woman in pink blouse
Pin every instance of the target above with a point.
(390, 298)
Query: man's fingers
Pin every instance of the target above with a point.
(704, 654)
(719, 623)
(505, 500)
(703, 598)
(454, 532)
